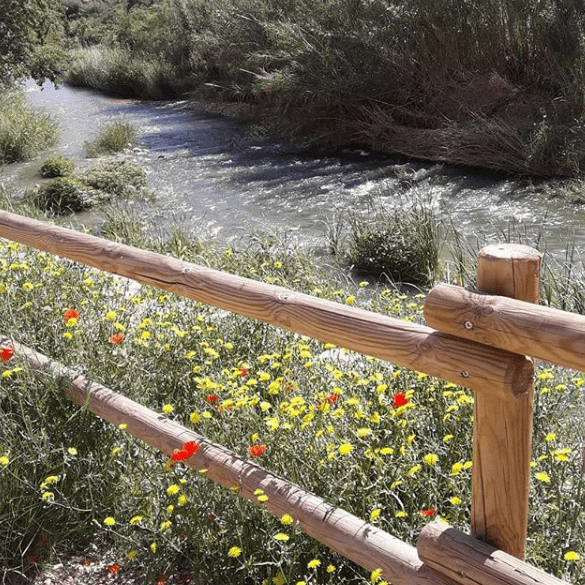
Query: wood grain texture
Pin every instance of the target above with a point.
(472, 562)
(502, 427)
(417, 347)
(343, 532)
(540, 332)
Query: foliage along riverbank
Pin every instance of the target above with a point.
(496, 85)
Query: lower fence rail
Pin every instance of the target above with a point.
(445, 556)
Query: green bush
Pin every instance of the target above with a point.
(114, 138)
(57, 166)
(24, 133)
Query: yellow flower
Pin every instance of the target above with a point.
(131, 555)
(542, 476)
(374, 514)
(263, 498)
(313, 564)
(109, 521)
(152, 547)
(345, 449)
(376, 575)
(280, 579)
(48, 496)
(456, 468)
(167, 408)
(72, 451)
(386, 451)
(572, 556)
(455, 500)
(331, 568)
(194, 417)
(550, 437)
(135, 519)
(413, 470)
(4, 460)
(182, 500)
(363, 432)
(272, 423)
(170, 509)
(281, 536)
(431, 459)
(173, 489)
(286, 519)
(447, 438)
(234, 552)
(400, 514)
(165, 525)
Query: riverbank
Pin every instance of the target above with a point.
(494, 87)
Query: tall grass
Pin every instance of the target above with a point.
(24, 133)
(390, 445)
(399, 243)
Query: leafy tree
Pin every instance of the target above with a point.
(31, 36)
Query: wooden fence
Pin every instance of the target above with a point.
(479, 340)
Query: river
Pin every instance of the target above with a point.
(210, 177)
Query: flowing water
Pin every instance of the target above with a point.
(211, 178)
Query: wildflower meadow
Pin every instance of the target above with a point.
(389, 445)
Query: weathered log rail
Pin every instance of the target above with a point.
(475, 349)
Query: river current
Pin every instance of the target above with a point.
(211, 178)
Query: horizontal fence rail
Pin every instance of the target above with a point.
(544, 333)
(416, 347)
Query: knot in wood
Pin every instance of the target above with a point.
(468, 325)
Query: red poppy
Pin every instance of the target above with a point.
(212, 398)
(243, 372)
(332, 398)
(114, 569)
(6, 352)
(257, 450)
(162, 579)
(70, 314)
(399, 399)
(189, 449)
(116, 338)
(429, 512)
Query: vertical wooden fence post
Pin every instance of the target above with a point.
(502, 434)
